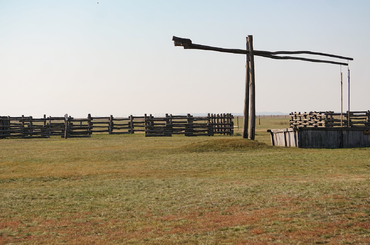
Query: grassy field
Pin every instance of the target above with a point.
(111, 189)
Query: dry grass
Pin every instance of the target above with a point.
(180, 190)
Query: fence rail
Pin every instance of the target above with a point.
(67, 126)
(330, 119)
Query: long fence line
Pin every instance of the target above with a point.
(330, 119)
(68, 126)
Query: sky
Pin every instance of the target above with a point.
(117, 57)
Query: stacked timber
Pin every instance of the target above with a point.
(311, 119)
(330, 119)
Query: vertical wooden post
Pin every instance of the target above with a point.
(43, 131)
(23, 128)
(110, 124)
(209, 125)
(232, 124)
(8, 132)
(145, 125)
(225, 124)
(189, 125)
(89, 124)
(30, 126)
(9, 126)
(131, 125)
(65, 126)
(246, 97)
(49, 127)
(168, 126)
(349, 99)
(252, 90)
(341, 97)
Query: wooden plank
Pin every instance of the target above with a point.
(187, 44)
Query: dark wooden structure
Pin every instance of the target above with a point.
(325, 130)
(329, 119)
(249, 102)
(69, 127)
(189, 125)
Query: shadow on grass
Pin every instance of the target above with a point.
(222, 145)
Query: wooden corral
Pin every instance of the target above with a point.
(325, 130)
(189, 125)
(67, 126)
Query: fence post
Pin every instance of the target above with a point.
(89, 124)
(145, 124)
(30, 125)
(44, 120)
(66, 126)
(49, 126)
(349, 119)
(189, 126)
(44, 130)
(131, 125)
(151, 123)
(5, 127)
(218, 123)
(169, 129)
(2, 128)
(210, 124)
(232, 124)
(110, 129)
(22, 129)
(9, 126)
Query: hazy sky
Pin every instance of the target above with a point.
(117, 57)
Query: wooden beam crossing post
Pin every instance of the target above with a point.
(250, 97)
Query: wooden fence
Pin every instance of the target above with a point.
(189, 125)
(67, 126)
(329, 119)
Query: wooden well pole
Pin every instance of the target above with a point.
(252, 88)
(250, 99)
(246, 98)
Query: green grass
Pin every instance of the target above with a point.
(182, 190)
